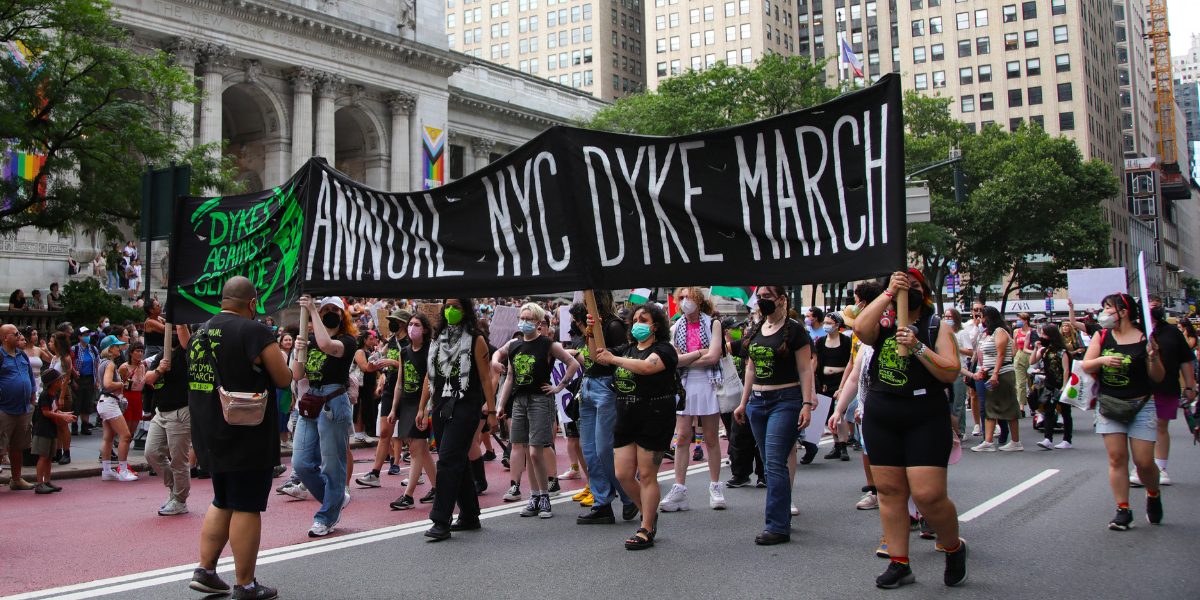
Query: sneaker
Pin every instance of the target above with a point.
(346, 501)
(869, 501)
(926, 530)
(429, 496)
(208, 583)
(698, 453)
(956, 565)
(258, 592)
(368, 480)
(276, 471)
(669, 455)
(404, 502)
(896, 575)
(984, 447)
(572, 473)
(1012, 447)
(514, 493)
(587, 500)
(109, 475)
(1046, 444)
(761, 482)
(319, 529)
(297, 491)
(554, 488)
(1163, 478)
(53, 488)
(173, 507)
(532, 508)
(504, 463)
(41, 488)
(716, 495)
(977, 431)
(394, 469)
(737, 482)
(544, 510)
(1134, 480)
(1064, 445)
(882, 552)
(795, 509)
(855, 445)
(368, 439)
(1154, 512)
(406, 457)
(489, 456)
(1123, 520)
(586, 491)
(676, 499)
(126, 475)
(420, 480)
(937, 545)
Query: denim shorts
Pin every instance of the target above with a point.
(1143, 427)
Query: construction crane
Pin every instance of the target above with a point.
(1160, 41)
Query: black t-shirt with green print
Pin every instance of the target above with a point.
(324, 369)
(1131, 380)
(415, 364)
(529, 364)
(614, 336)
(392, 351)
(662, 383)
(774, 365)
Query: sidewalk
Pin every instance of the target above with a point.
(86, 467)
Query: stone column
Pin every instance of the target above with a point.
(401, 105)
(302, 80)
(482, 149)
(186, 51)
(327, 87)
(212, 66)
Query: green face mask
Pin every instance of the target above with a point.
(736, 334)
(453, 315)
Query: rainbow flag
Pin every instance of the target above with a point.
(15, 164)
(434, 142)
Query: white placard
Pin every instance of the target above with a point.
(504, 324)
(817, 424)
(1145, 293)
(564, 323)
(1090, 286)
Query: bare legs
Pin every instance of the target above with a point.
(1119, 446)
(712, 442)
(637, 470)
(241, 530)
(115, 427)
(927, 487)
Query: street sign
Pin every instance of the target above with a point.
(952, 282)
(953, 267)
(1049, 304)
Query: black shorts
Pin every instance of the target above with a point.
(648, 423)
(907, 431)
(385, 403)
(243, 491)
(571, 430)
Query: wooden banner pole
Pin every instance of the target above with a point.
(589, 299)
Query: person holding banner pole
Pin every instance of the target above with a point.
(1126, 366)
(461, 388)
(598, 413)
(906, 421)
(777, 400)
(321, 443)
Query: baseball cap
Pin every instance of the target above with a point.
(110, 341)
(83, 330)
(334, 301)
(401, 315)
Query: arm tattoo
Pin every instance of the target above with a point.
(657, 457)
(653, 360)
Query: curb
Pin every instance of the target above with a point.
(138, 467)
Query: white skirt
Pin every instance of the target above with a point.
(701, 396)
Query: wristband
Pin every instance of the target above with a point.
(889, 294)
(812, 404)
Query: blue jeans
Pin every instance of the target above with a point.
(597, 417)
(319, 453)
(113, 281)
(773, 416)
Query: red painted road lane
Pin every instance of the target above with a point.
(96, 529)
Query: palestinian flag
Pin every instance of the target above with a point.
(639, 295)
(743, 294)
(673, 308)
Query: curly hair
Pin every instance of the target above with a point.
(697, 295)
(662, 326)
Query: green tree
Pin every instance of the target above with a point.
(719, 96)
(85, 302)
(97, 110)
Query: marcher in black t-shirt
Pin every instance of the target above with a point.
(45, 428)
(906, 423)
(240, 458)
(1177, 357)
(321, 444)
(647, 396)
(777, 401)
(402, 416)
(170, 435)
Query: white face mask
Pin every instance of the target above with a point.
(828, 328)
(1107, 320)
(687, 306)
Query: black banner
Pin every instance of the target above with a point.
(807, 197)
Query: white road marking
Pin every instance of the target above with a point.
(126, 583)
(1006, 496)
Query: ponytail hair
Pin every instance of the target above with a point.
(1127, 303)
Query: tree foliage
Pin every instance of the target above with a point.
(1034, 202)
(85, 302)
(719, 96)
(96, 109)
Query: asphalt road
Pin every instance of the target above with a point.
(1047, 541)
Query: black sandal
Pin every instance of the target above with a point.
(639, 543)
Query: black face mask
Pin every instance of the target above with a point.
(767, 307)
(331, 320)
(915, 298)
(393, 326)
